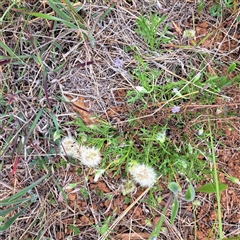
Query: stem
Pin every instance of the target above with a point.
(158, 226)
(216, 184)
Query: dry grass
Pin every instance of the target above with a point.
(26, 88)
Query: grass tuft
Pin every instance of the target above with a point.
(131, 110)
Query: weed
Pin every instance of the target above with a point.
(216, 10)
(40, 163)
(151, 149)
(220, 7)
(18, 201)
(147, 91)
(51, 199)
(75, 229)
(84, 193)
(104, 226)
(200, 6)
(148, 30)
(158, 147)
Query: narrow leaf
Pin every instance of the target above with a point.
(11, 220)
(175, 207)
(231, 68)
(7, 49)
(49, 17)
(17, 201)
(211, 188)
(106, 12)
(34, 124)
(22, 192)
(8, 210)
(75, 10)
(59, 11)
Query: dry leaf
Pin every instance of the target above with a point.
(81, 108)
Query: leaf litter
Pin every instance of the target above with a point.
(103, 85)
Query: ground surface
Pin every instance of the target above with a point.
(91, 79)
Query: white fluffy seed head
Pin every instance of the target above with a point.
(90, 156)
(142, 174)
(70, 147)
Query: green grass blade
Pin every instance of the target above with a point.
(205, 38)
(23, 191)
(106, 12)
(59, 11)
(79, 21)
(9, 51)
(54, 121)
(49, 17)
(7, 10)
(5, 145)
(6, 211)
(74, 11)
(13, 58)
(34, 124)
(158, 226)
(11, 220)
(59, 67)
(57, 132)
(216, 183)
(22, 200)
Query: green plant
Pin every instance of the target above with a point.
(75, 229)
(40, 163)
(19, 202)
(216, 10)
(219, 7)
(147, 91)
(84, 193)
(173, 199)
(153, 149)
(103, 227)
(215, 174)
(66, 14)
(51, 199)
(229, 3)
(148, 29)
(200, 6)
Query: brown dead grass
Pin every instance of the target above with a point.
(102, 88)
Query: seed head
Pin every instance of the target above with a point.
(70, 147)
(142, 174)
(90, 156)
